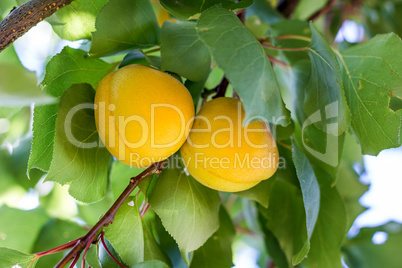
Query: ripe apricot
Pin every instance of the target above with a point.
(223, 154)
(142, 114)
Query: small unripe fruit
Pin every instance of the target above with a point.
(223, 154)
(142, 114)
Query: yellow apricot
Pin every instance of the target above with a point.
(142, 114)
(223, 154)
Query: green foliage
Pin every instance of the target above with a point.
(15, 231)
(78, 157)
(126, 233)
(325, 87)
(181, 47)
(18, 86)
(371, 73)
(360, 251)
(216, 252)
(286, 219)
(134, 27)
(189, 210)
(77, 20)
(245, 64)
(44, 125)
(326, 103)
(71, 67)
(54, 233)
(11, 258)
(309, 187)
(184, 9)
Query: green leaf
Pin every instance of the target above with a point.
(18, 86)
(54, 233)
(92, 257)
(188, 210)
(259, 193)
(351, 190)
(12, 258)
(330, 228)
(76, 20)
(195, 89)
(19, 229)
(382, 18)
(126, 233)
(306, 8)
(347, 180)
(135, 26)
(120, 177)
(309, 187)
(44, 125)
(272, 245)
(286, 219)
(264, 11)
(371, 75)
(183, 52)
(325, 89)
(105, 260)
(362, 252)
(152, 251)
(151, 264)
(217, 251)
(70, 67)
(134, 57)
(244, 63)
(78, 156)
(322, 149)
(184, 9)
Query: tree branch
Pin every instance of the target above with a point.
(323, 10)
(108, 217)
(24, 17)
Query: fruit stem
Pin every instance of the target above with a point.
(221, 88)
(287, 146)
(108, 217)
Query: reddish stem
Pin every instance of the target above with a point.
(75, 260)
(145, 210)
(108, 217)
(142, 205)
(280, 63)
(108, 252)
(59, 248)
(85, 252)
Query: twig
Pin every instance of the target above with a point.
(108, 217)
(293, 36)
(24, 17)
(323, 10)
(280, 63)
(221, 88)
(241, 15)
(286, 48)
